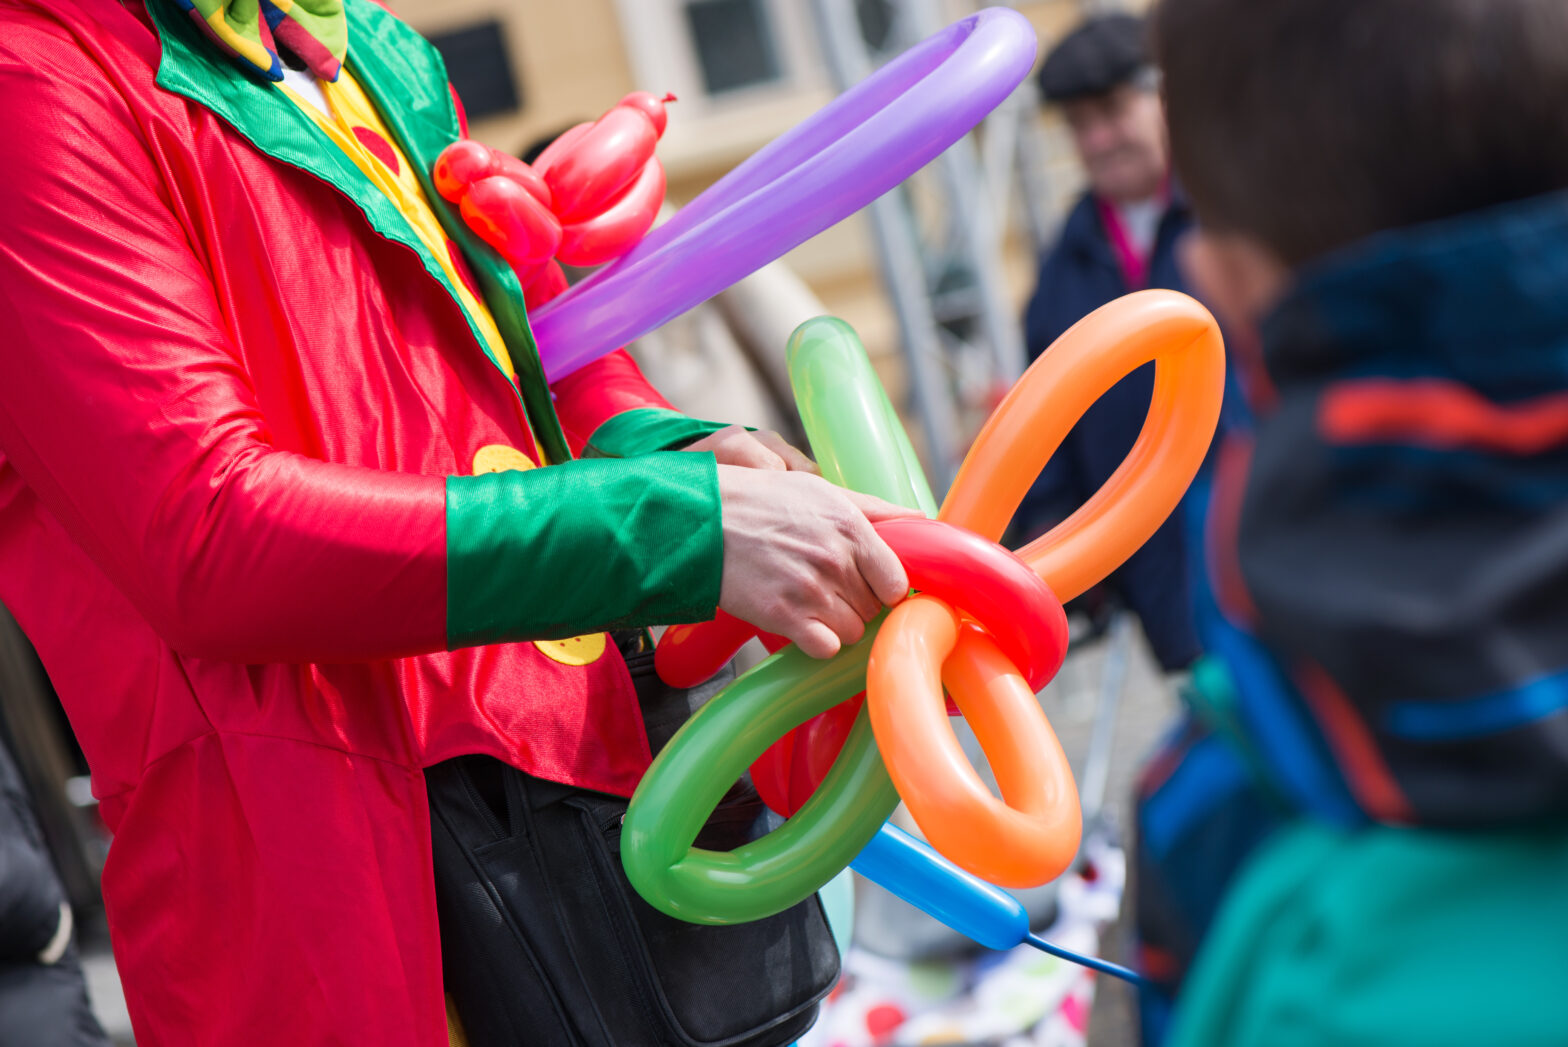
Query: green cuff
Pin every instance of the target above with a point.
(582, 546)
(645, 430)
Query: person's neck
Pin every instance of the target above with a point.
(1158, 193)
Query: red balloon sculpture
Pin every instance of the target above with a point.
(587, 200)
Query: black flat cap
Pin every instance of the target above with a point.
(1104, 52)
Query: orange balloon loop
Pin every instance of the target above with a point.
(1006, 644)
(1031, 834)
(1183, 341)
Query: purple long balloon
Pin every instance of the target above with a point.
(858, 147)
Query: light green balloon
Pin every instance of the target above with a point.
(855, 434)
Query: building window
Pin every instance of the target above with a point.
(722, 56)
(479, 68)
(734, 43)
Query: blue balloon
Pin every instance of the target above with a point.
(909, 868)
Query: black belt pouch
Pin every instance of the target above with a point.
(545, 943)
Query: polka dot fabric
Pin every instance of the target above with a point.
(357, 129)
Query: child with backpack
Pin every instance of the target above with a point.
(1359, 835)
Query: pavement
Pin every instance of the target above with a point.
(1147, 710)
(103, 987)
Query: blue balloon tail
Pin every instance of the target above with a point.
(1092, 962)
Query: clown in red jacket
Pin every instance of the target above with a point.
(290, 513)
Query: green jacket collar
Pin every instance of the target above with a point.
(406, 79)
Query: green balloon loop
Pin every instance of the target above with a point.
(711, 751)
(860, 444)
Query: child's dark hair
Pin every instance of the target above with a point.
(1308, 124)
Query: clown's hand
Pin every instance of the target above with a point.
(801, 558)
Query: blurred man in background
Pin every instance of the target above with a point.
(1119, 238)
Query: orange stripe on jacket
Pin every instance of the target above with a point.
(1440, 414)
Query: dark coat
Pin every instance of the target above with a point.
(41, 1005)
(1077, 276)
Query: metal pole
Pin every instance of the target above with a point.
(1034, 180)
(998, 155)
(976, 223)
(899, 252)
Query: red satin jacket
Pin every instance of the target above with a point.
(239, 410)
